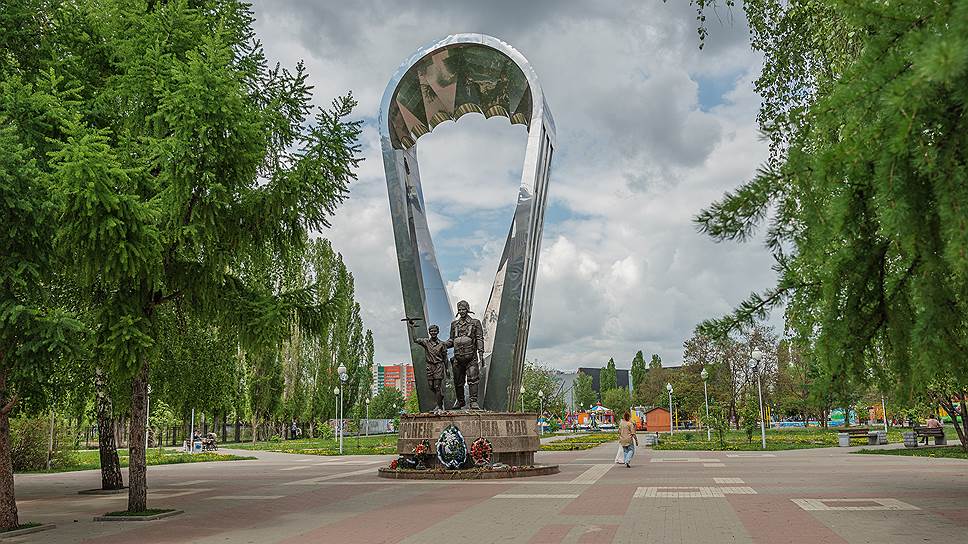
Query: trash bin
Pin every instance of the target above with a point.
(910, 440)
(882, 437)
(844, 439)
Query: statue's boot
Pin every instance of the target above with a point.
(472, 389)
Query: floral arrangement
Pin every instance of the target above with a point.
(451, 448)
(394, 464)
(481, 451)
(420, 452)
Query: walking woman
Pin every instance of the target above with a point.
(627, 437)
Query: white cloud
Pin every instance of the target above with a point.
(622, 267)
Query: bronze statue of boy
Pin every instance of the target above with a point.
(436, 350)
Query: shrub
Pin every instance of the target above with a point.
(30, 439)
(750, 416)
(325, 432)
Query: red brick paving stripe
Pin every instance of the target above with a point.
(775, 519)
(551, 534)
(958, 515)
(396, 522)
(603, 534)
(601, 500)
(208, 522)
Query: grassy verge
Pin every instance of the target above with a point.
(776, 440)
(27, 525)
(584, 442)
(90, 459)
(364, 445)
(950, 452)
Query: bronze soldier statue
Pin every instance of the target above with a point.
(436, 350)
(467, 339)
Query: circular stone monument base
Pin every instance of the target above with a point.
(468, 474)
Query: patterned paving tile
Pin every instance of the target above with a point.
(853, 504)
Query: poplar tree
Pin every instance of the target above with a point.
(607, 377)
(864, 192)
(638, 370)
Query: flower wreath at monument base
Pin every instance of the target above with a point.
(481, 451)
(451, 448)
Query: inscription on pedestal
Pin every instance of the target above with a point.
(507, 431)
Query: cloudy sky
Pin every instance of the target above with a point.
(649, 130)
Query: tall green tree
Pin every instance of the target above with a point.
(33, 332)
(387, 404)
(618, 400)
(638, 369)
(540, 378)
(583, 392)
(607, 378)
(177, 155)
(865, 185)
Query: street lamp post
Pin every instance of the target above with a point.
(757, 356)
(342, 381)
(705, 393)
(367, 417)
(522, 397)
(669, 389)
(884, 412)
(541, 408)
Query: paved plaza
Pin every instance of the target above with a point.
(805, 496)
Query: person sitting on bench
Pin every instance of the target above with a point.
(932, 423)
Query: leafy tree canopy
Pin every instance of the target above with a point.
(864, 191)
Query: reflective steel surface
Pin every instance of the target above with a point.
(444, 80)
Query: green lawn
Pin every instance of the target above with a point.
(385, 444)
(89, 459)
(951, 452)
(776, 439)
(583, 442)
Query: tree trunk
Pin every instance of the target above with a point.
(255, 427)
(8, 501)
(137, 463)
(962, 428)
(238, 430)
(224, 433)
(107, 448)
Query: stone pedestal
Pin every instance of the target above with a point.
(513, 435)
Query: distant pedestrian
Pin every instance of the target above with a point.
(627, 437)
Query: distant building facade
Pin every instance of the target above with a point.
(394, 376)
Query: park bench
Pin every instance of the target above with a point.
(938, 434)
(853, 432)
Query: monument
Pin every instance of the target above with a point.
(442, 81)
